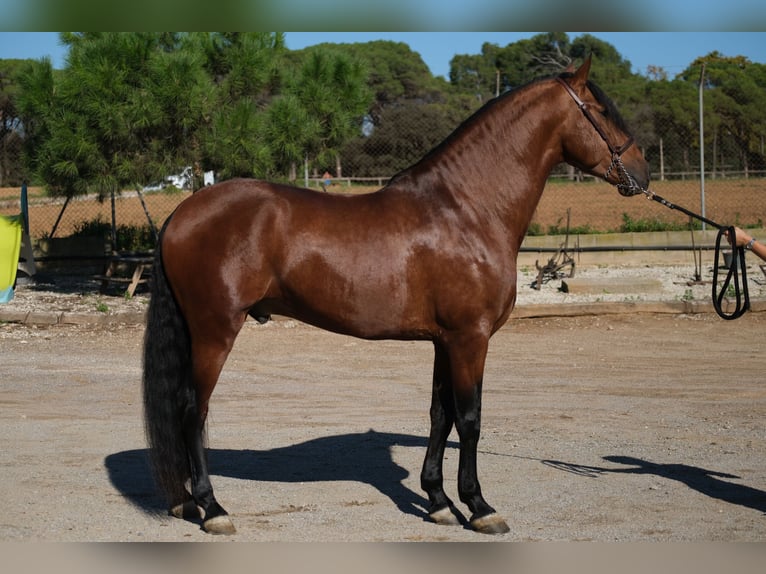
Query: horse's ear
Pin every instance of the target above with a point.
(581, 75)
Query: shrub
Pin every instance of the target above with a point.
(630, 225)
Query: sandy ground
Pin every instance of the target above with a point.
(635, 427)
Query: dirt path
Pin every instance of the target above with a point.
(635, 427)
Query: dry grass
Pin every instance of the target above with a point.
(598, 205)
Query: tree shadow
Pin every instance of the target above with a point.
(704, 481)
(357, 457)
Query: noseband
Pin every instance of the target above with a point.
(627, 185)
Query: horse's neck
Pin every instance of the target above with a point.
(497, 162)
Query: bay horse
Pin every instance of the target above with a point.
(430, 256)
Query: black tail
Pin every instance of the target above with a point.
(167, 385)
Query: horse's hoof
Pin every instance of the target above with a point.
(490, 524)
(445, 516)
(187, 509)
(219, 525)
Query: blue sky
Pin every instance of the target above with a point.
(673, 51)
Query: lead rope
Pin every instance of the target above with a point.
(737, 264)
(742, 297)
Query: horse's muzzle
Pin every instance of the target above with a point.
(629, 189)
(627, 184)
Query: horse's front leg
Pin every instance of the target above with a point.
(467, 357)
(441, 509)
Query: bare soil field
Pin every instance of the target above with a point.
(635, 427)
(594, 204)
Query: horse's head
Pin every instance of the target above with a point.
(595, 137)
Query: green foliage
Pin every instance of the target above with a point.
(630, 225)
(504, 68)
(290, 129)
(11, 166)
(236, 144)
(121, 114)
(395, 74)
(558, 229)
(535, 229)
(330, 89)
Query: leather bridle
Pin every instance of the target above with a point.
(627, 185)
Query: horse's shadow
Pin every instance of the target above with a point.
(357, 457)
(707, 482)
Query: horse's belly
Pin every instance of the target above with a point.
(367, 310)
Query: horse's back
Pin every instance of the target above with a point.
(225, 203)
(249, 216)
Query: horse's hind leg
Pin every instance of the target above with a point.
(209, 355)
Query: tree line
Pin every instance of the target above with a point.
(130, 108)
